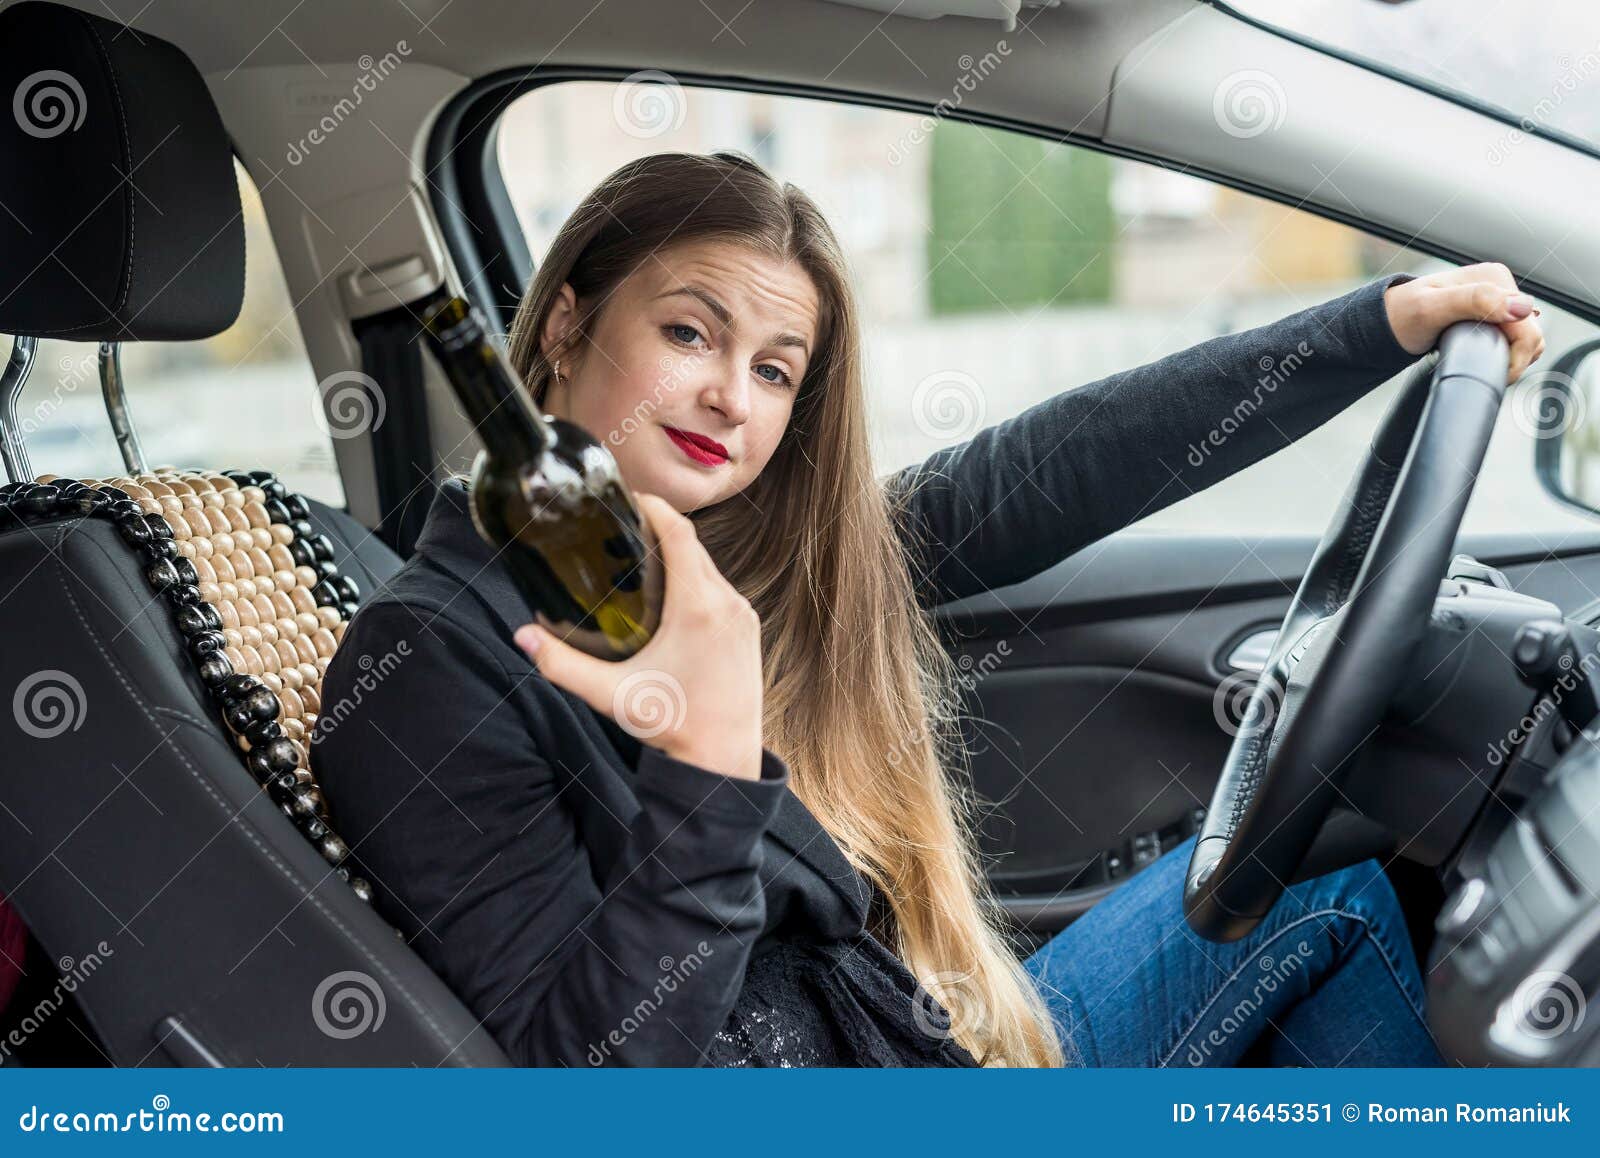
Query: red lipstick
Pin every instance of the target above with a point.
(705, 451)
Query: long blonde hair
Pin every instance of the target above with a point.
(859, 692)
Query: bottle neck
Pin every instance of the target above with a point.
(505, 419)
(484, 381)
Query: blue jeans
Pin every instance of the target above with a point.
(1328, 978)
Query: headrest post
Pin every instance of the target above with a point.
(111, 386)
(13, 450)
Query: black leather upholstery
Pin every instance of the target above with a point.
(131, 834)
(122, 208)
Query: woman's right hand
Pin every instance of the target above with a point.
(694, 690)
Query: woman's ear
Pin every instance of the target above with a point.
(555, 336)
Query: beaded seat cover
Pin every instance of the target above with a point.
(253, 589)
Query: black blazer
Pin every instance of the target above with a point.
(558, 873)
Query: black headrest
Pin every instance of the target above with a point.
(121, 215)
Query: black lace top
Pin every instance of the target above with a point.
(834, 1003)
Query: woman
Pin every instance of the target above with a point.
(743, 845)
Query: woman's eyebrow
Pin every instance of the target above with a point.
(725, 318)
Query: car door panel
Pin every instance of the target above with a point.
(1098, 700)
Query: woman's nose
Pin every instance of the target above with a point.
(730, 396)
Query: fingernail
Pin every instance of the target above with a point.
(1519, 306)
(528, 639)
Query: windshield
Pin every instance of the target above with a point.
(1538, 63)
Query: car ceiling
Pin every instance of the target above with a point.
(1143, 77)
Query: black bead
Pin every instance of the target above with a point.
(257, 477)
(281, 796)
(206, 643)
(159, 549)
(302, 528)
(263, 732)
(323, 546)
(78, 502)
(276, 511)
(302, 554)
(325, 594)
(115, 494)
(275, 490)
(348, 588)
(298, 507)
(200, 617)
(9, 489)
(125, 508)
(159, 527)
(241, 685)
(348, 610)
(315, 828)
(183, 594)
(280, 755)
(262, 703)
(215, 670)
(305, 800)
(161, 574)
(326, 569)
(186, 571)
(134, 530)
(37, 502)
(260, 766)
(333, 849)
(364, 891)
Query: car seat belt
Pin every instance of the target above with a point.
(402, 448)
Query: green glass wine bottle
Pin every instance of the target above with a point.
(549, 498)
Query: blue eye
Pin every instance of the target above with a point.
(678, 330)
(782, 378)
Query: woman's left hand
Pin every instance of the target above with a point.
(1421, 309)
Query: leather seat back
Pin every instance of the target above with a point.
(190, 920)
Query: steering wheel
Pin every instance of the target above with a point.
(1343, 650)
